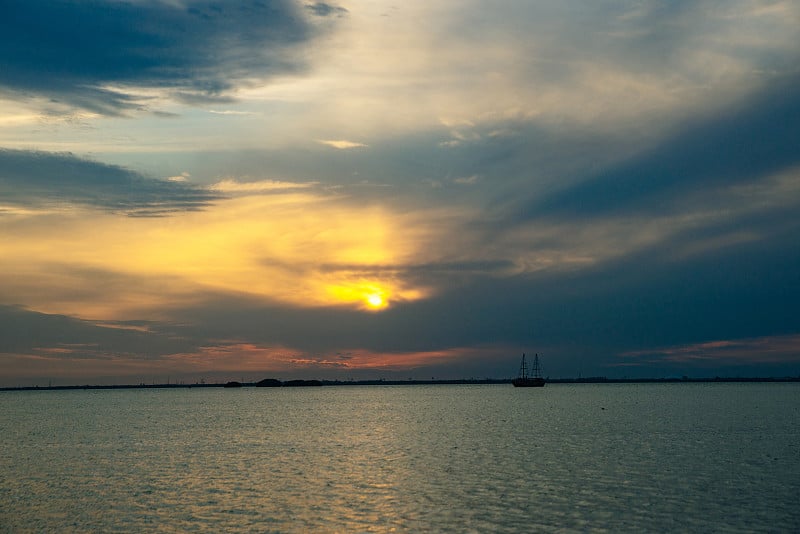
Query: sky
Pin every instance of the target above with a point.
(210, 190)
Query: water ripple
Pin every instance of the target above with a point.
(609, 458)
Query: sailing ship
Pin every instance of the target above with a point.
(529, 380)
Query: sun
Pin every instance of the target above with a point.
(364, 295)
(375, 300)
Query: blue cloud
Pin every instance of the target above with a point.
(24, 331)
(322, 9)
(73, 51)
(747, 143)
(38, 179)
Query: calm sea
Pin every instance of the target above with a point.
(438, 458)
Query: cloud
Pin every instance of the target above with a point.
(182, 177)
(612, 182)
(770, 349)
(230, 112)
(554, 200)
(322, 9)
(640, 66)
(614, 277)
(25, 331)
(35, 345)
(254, 243)
(68, 350)
(466, 180)
(342, 144)
(724, 150)
(100, 55)
(230, 185)
(45, 180)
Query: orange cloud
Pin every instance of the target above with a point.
(258, 361)
(770, 349)
(272, 247)
(248, 357)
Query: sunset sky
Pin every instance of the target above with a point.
(238, 190)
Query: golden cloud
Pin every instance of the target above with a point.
(271, 247)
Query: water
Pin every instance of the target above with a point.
(654, 457)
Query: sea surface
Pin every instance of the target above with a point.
(417, 458)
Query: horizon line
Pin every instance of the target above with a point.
(392, 382)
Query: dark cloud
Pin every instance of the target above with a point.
(75, 51)
(691, 286)
(40, 179)
(25, 331)
(745, 144)
(687, 288)
(585, 322)
(321, 9)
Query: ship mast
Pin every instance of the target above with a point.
(537, 370)
(523, 368)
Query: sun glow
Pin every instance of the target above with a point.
(366, 295)
(375, 300)
(299, 248)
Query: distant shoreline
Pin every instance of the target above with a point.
(303, 383)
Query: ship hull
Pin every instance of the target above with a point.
(528, 382)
